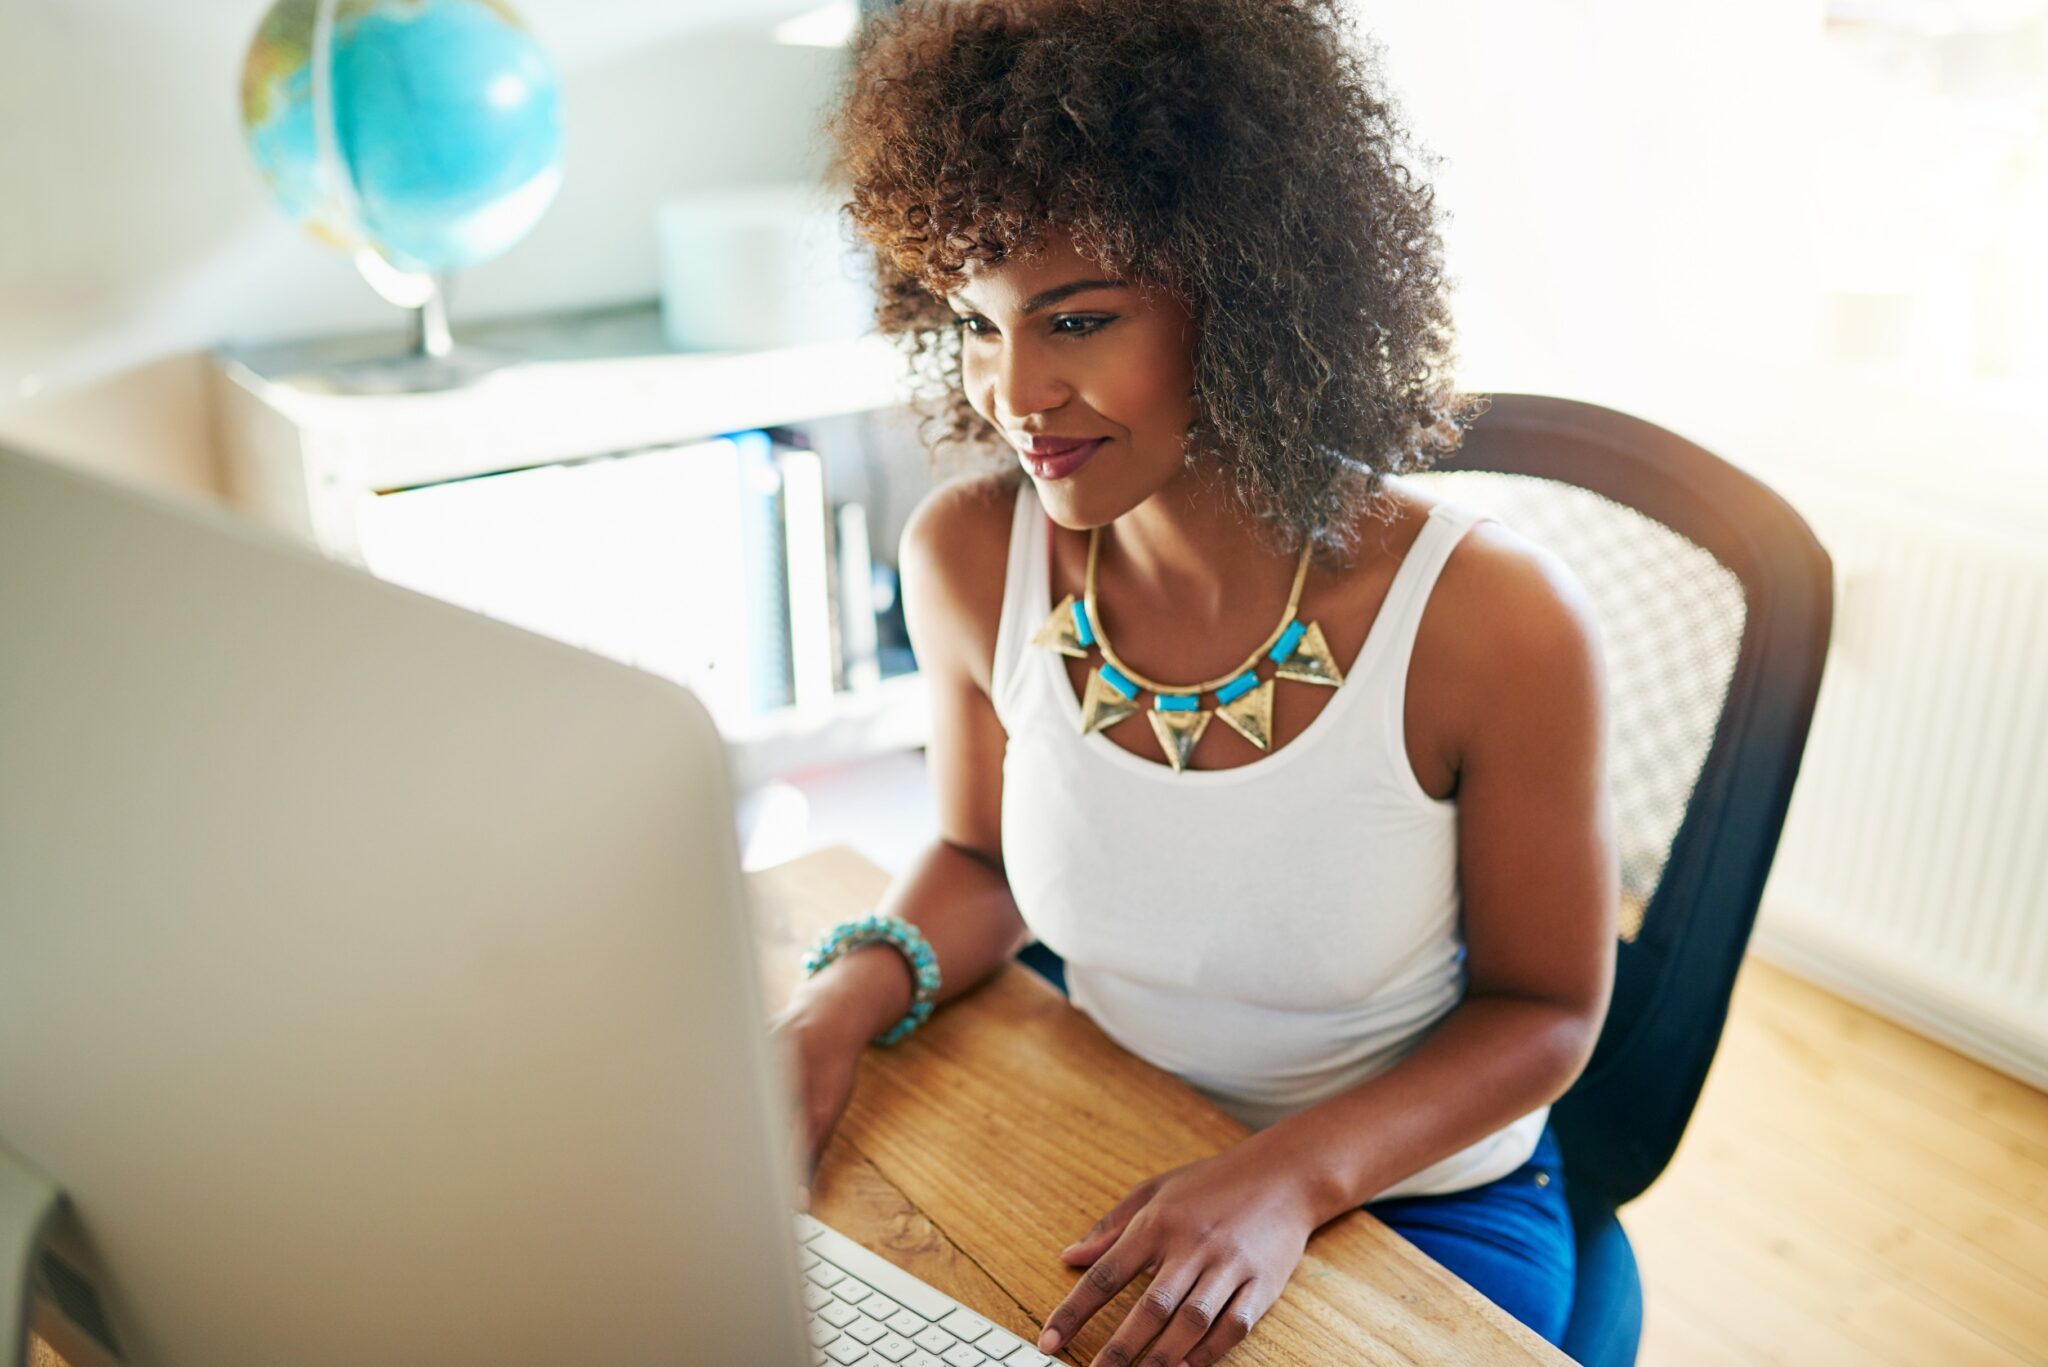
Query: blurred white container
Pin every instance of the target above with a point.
(759, 267)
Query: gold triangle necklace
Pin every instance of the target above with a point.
(1243, 700)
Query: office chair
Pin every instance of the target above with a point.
(1715, 602)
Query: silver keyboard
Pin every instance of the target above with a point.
(867, 1312)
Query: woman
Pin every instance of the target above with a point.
(1164, 257)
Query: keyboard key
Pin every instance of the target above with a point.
(907, 1323)
(866, 1330)
(965, 1325)
(816, 1296)
(851, 1291)
(1028, 1357)
(822, 1333)
(839, 1313)
(935, 1340)
(894, 1347)
(824, 1274)
(960, 1355)
(883, 1275)
(845, 1350)
(879, 1306)
(998, 1344)
(807, 1227)
(922, 1359)
(806, 1260)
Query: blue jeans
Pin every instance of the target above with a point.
(1511, 1238)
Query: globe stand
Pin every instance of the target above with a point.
(435, 361)
(430, 336)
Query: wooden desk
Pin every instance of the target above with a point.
(957, 1160)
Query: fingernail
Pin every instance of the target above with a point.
(1049, 1341)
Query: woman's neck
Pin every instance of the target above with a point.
(1188, 545)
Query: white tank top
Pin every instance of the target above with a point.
(1291, 928)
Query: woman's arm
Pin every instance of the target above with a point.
(1539, 879)
(953, 554)
(961, 904)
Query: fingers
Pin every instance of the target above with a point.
(1106, 1231)
(804, 1152)
(800, 1171)
(1157, 1312)
(1236, 1320)
(1192, 1317)
(1098, 1287)
(814, 1152)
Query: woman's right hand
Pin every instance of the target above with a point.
(824, 1055)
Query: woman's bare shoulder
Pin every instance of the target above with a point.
(1495, 578)
(1507, 613)
(953, 555)
(1500, 578)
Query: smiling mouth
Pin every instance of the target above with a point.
(1063, 460)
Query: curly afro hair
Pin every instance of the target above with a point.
(1232, 151)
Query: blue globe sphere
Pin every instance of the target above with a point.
(445, 121)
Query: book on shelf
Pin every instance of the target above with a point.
(860, 668)
(722, 564)
(831, 581)
(763, 576)
(811, 589)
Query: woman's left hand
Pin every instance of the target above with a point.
(1222, 1236)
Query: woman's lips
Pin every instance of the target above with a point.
(1065, 462)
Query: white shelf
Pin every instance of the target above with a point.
(301, 451)
(277, 407)
(536, 413)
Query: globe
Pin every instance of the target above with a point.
(441, 142)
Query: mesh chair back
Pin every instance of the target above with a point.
(1714, 601)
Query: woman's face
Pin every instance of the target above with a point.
(1054, 354)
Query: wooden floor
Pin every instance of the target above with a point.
(1847, 1192)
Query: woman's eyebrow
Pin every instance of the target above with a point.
(1045, 299)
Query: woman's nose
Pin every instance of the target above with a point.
(1025, 383)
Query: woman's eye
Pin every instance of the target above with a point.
(1080, 326)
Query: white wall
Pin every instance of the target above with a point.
(134, 232)
(1611, 169)
(1694, 213)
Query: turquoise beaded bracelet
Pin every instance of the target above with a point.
(924, 965)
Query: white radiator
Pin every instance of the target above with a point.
(1913, 873)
